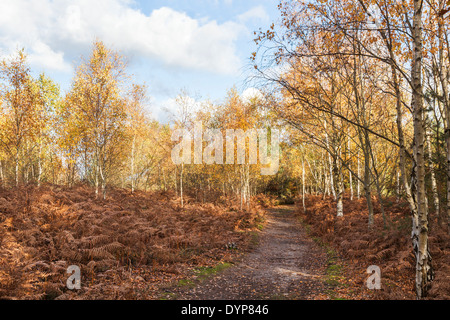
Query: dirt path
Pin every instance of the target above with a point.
(286, 264)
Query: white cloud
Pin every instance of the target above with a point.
(42, 55)
(54, 31)
(256, 13)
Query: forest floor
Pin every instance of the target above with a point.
(145, 246)
(285, 264)
(314, 255)
(387, 245)
(128, 247)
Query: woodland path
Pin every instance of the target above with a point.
(285, 265)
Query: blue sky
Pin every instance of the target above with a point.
(202, 46)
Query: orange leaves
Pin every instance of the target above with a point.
(19, 105)
(373, 40)
(146, 233)
(95, 111)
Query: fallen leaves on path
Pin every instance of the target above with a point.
(285, 265)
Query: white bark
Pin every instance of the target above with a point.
(424, 272)
(303, 185)
(350, 172)
(2, 178)
(434, 187)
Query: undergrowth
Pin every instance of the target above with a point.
(127, 246)
(358, 247)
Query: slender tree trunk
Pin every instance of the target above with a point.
(133, 148)
(16, 171)
(444, 82)
(332, 186)
(96, 180)
(39, 164)
(447, 141)
(2, 177)
(434, 187)
(424, 272)
(102, 176)
(247, 185)
(401, 142)
(339, 190)
(350, 178)
(377, 183)
(380, 196)
(327, 188)
(241, 182)
(303, 185)
(330, 163)
(367, 176)
(181, 185)
(358, 186)
(176, 179)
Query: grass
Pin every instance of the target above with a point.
(200, 274)
(334, 274)
(204, 273)
(185, 283)
(260, 222)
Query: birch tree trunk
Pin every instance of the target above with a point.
(181, 185)
(330, 163)
(434, 187)
(241, 185)
(39, 164)
(447, 141)
(102, 176)
(401, 142)
(303, 185)
(96, 180)
(424, 272)
(176, 179)
(442, 71)
(133, 150)
(358, 187)
(350, 171)
(367, 181)
(2, 177)
(16, 171)
(339, 190)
